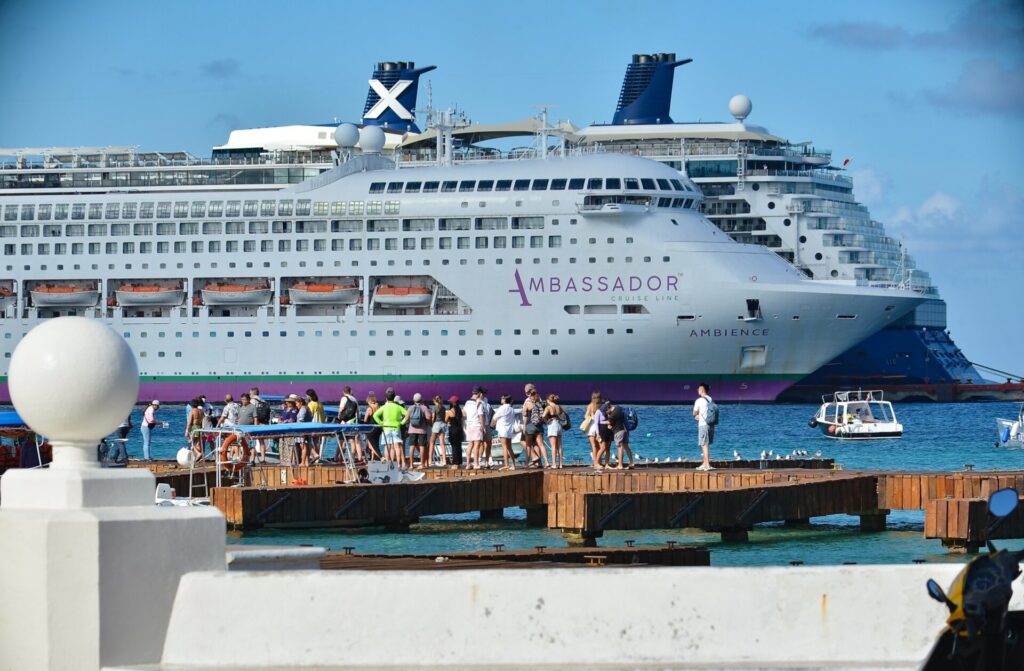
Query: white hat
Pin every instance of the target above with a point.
(155, 403)
(417, 397)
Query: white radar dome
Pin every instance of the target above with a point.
(371, 139)
(740, 107)
(346, 135)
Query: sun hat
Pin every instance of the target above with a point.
(155, 403)
(453, 399)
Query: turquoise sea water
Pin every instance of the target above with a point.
(937, 436)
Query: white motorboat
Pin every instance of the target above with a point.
(308, 293)
(134, 295)
(50, 296)
(1010, 432)
(856, 415)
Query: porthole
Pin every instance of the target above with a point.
(818, 256)
(771, 205)
(786, 222)
(756, 187)
(803, 239)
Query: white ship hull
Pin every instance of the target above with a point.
(642, 306)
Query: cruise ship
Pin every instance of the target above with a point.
(595, 271)
(757, 187)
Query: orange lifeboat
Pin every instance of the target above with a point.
(149, 294)
(236, 294)
(64, 295)
(323, 293)
(386, 295)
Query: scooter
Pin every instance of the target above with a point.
(981, 632)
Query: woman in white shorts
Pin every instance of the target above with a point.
(554, 429)
(503, 421)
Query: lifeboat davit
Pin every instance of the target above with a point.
(48, 296)
(236, 294)
(129, 295)
(331, 293)
(402, 296)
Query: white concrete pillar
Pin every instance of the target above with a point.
(90, 564)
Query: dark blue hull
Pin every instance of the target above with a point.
(893, 357)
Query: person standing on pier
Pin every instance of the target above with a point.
(438, 431)
(374, 435)
(504, 425)
(705, 430)
(261, 416)
(148, 424)
(229, 416)
(456, 432)
(316, 411)
(620, 434)
(420, 418)
(391, 416)
(533, 428)
(553, 428)
(475, 427)
(194, 425)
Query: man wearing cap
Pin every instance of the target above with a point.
(391, 416)
(474, 414)
(148, 424)
(420, 418)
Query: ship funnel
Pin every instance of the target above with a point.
(647, 89)
(391, 100)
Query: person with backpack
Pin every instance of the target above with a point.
(705, 411)
(420, 418)
(261, 415)
(348, 413)
(619, 420)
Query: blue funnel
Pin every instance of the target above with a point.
(391, 100)
(647, 90)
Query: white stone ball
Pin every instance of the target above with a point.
(740, 106)
(346, 135)
(186, 457)
(371, 139)
(73, 380)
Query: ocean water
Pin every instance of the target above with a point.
(936, 437)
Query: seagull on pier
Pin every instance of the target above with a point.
(818, 453)
(736, 455)
(764, 455)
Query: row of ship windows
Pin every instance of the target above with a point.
(338, 264)
(571, 184)
(420, 224)
(200, 209)
(355, 333)
(301, 245)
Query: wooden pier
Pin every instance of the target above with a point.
(660, 555)
(583, 504)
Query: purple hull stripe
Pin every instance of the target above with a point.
(570, 391)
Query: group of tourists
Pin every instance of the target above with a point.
(423, 433)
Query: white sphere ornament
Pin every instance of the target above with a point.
(346, 135)
(73, 380)
(186, 457)
(740, 107)
(371, 139)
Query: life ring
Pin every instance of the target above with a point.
(832, 428)
(225, 459)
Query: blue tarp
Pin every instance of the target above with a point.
(11, 420)
(293, 429)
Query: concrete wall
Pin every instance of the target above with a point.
(855, 615)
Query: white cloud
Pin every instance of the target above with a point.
(942, 223)
(870, 186)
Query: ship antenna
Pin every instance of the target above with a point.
(545, 129)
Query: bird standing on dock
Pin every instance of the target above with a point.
(764, 455)
(736, 455)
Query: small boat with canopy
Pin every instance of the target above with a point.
(856, 415)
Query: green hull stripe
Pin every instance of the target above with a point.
(452, 378)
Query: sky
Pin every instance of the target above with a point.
(926, 98)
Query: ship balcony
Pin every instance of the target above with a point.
(614, 205)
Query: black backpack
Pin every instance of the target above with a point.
(350, 410)
(564, 421)
(262, 411)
